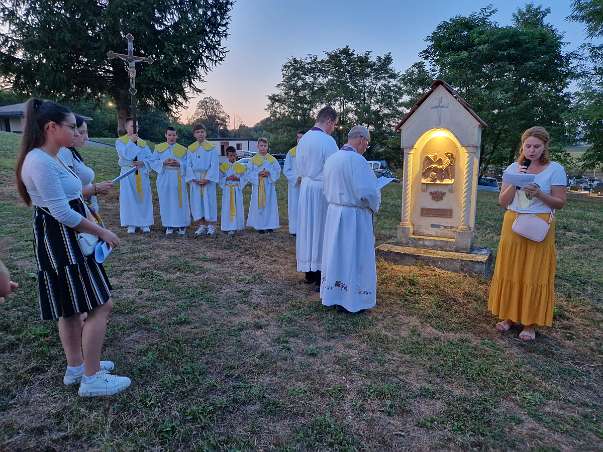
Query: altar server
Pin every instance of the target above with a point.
(232, 181)
(349, 275)
(203, 175)
(170, 166)
(264, 171)
(135, 197)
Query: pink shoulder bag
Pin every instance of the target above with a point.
(531, 226)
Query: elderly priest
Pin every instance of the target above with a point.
(349, 277)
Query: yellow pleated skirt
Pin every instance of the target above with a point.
(523, 286)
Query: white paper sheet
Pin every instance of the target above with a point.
(518, 179)
(126, 174)
(383, 181)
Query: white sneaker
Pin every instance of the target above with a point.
(131, 229)
(169, 231)
(201, 230)
(211, 229)
(181, 231)
(73, 378)
(146, 229)
(103, 384)
(231, 232)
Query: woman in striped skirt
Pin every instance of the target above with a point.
(69, 283)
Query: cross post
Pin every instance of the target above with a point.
(131, 61)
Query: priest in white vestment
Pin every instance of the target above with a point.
(170, 165)
(313, 149)
(264, 172)
(135, 197)
(203, 175)
(294, 181)
(349, 275)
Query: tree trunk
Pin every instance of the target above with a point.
(122, 115)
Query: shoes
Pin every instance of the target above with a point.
(181, 231)
(103, 384)
(131, 229)
(146, 230)
(201, 230)
(231, 232)
(211, 229)
(72, 378)
(169, 231)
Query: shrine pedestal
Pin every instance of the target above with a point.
(477, 262)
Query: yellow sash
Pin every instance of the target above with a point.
(125, 139)
(262, 193)
(233, 207)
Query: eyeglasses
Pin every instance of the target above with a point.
(73, 127)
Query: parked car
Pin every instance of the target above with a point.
(487, 184)
(245, 161)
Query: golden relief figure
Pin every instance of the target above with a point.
(438, 170)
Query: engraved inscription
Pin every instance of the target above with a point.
(436, 213)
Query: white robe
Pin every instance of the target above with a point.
(203, 164)
(135, 209)
(229, 188)
(267, 217)
(314, 148)
(349, 275)
(173, 215)
(293, 189)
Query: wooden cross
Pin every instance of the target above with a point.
(439, 107)
(131, 61)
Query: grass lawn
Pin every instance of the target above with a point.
(228, 350)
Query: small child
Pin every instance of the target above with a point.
(170, 166)
(232, 182)
(203, 174)
(264, 171)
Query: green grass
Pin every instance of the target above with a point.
(228, 350)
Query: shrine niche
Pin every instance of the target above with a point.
(441, 140)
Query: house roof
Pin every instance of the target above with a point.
(18, 110)
(454, 94)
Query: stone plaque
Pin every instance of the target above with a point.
(436, 213)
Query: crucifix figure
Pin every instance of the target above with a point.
(439, 108)
(131, 61)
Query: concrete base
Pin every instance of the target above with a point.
(477, 262)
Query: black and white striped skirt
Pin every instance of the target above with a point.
(68, 282)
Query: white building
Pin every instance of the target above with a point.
(12, 118)
(240, 144)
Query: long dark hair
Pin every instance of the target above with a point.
(38, 113)
(79, 122)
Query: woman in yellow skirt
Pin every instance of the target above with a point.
(523, 287)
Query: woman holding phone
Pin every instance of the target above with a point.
(522, 290)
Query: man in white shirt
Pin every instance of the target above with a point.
(313, 149)
(349, 275)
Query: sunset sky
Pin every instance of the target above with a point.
(265, 33)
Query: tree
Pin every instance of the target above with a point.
(513, 76)
(588, 101)
(211, 114)
(364, 89)
(59, 49)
